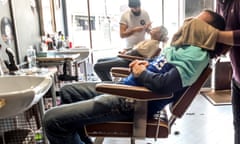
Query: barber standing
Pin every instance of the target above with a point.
(230, 10)
(134, 23)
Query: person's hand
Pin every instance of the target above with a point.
(123, 51)
(147, 27)
(137, 67)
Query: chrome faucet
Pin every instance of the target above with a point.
(1, 69)
(8, 66)
(11, 65)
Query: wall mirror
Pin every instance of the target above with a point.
(47, 16)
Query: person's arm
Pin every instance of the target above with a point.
(225, 37)
(125, 32)
(231, 38)
(156, 82)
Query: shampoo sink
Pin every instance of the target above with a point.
(21, 92)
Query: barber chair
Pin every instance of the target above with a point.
(141, 127)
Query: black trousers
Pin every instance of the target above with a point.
(236, 110)
(103, 67)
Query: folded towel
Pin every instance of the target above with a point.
(147, 48)
(196, 32)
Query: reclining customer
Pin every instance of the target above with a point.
(146, 48)
(189, 34)
(83, 105)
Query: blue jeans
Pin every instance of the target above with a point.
(236, 110)
(64, 124)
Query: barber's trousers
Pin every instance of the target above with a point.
(236, 110)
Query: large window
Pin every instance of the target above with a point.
(95, 23)
(104, 21)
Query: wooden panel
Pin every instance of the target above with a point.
(223, 76)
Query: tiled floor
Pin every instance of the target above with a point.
(203, 123)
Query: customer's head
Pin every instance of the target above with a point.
(218, 22)
(135, 6)
(212, 18)
(159, 33)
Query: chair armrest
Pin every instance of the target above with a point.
(120, 71)
(129, 57)
(134, 92)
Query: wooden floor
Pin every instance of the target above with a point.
(203, 123)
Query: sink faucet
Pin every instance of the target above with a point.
(1, 69)
(12, 64)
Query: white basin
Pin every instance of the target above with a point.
(21, 92)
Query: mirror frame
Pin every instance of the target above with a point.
(51, 13)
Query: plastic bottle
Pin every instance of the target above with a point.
(31, 57)
(38, 137)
